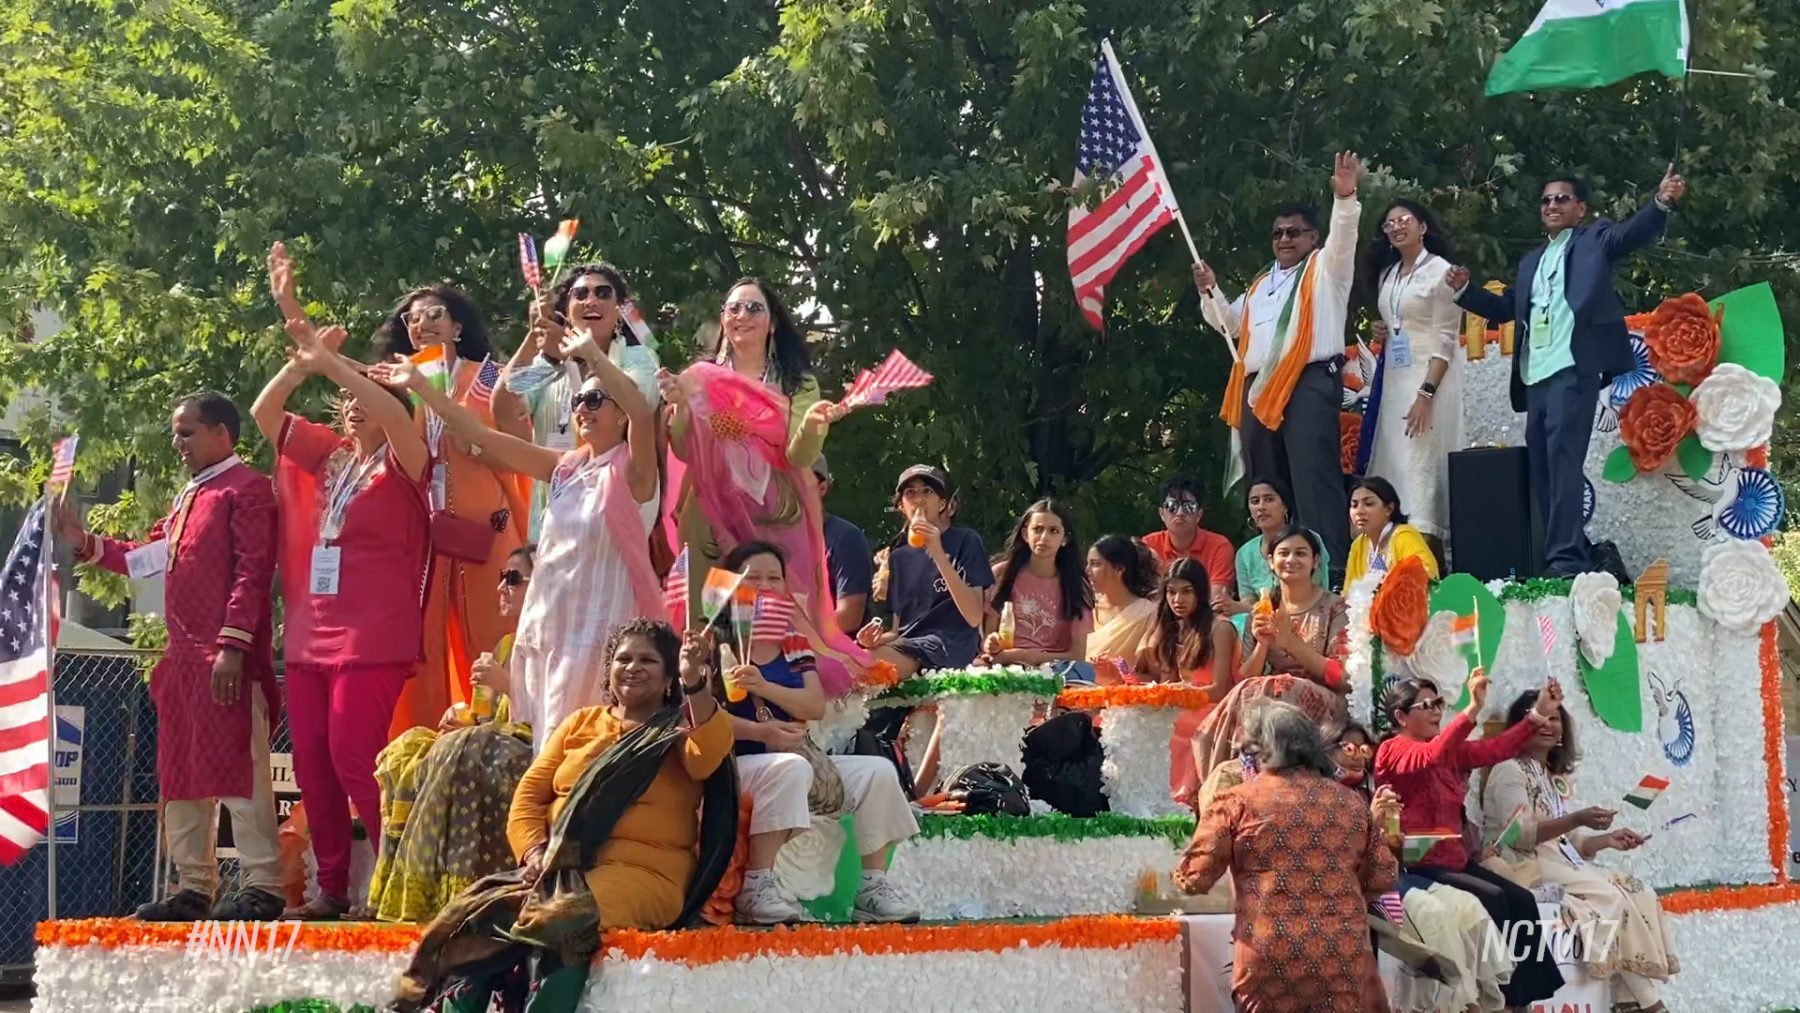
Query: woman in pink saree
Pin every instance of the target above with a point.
(746, 427)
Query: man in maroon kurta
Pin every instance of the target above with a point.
(214, 688)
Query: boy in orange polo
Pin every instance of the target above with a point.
(1182, 535)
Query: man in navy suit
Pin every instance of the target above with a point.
(1571, 341)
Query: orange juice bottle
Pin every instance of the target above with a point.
(481, 703)
(914, 538)
(728, 661)
(1265, 603)
(1008, 627)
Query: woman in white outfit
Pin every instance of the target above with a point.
(593, 568)
(781, 678)
(1416, 399)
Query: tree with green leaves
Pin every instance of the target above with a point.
(902, 166)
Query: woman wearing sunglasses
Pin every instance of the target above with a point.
(533, 401)
(593, 569)
(745, 470)
(477, 513)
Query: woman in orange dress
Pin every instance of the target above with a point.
(478, 515)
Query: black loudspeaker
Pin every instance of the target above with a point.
(1495, 532)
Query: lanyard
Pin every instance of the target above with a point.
(565, 409)
(1554, 258)
(184, 501)
(345, 484)
(434, 441)
(1400, 284)
(1378, 552)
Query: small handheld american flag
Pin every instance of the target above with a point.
(62, 464)
(25, 625)
(773, 618)
(1547, 636)
(487, 377)
(896, 372)
(528, 262)
(675, 588)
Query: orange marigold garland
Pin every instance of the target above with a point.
(721, 907)
(1653, 423)
(1349, 439)
(879, 676)
(1155, 694)
(1729, 898)
(1682, 335)
(1401, 610)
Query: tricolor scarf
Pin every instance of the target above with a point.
(1294, 336)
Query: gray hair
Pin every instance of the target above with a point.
(1284, 738)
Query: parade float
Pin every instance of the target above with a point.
(1673, 681)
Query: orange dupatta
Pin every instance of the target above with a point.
(1278, 384)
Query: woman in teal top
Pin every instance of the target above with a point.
(1268, 501)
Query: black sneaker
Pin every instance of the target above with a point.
(182, 906)
(251, 905)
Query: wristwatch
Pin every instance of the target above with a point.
(1428, 389)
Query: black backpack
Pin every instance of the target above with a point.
(987, 789)
(1062, 764)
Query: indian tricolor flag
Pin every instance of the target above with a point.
(1592, 43)
(433, 366)
(1647, 791)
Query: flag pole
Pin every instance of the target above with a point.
(1118, 73)
(47, 559)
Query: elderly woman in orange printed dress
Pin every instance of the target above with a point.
(1306, 857)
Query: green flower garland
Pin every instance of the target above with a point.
(311, 1006)
(967, 683)
(1539, 588)
(1176, 829)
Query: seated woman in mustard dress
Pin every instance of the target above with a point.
(1383, 538)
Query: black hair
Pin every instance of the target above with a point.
(214, 409)
(788, 358)
(1385, 492)
(621, 292)
(1400, 696)
(1577, 185)
(392, 338)
(663, 638)
(1281, 490)
(528, 550)
(1177, 485)
(1133, 558)
(1562, 755)
(1175, 649)
(1077, 593)
(1380, 254)
(1350, 727)
(1293, 531)
(1301, 210)
(737, 557)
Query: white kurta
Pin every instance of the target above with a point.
(1418, 306)
(580, 591)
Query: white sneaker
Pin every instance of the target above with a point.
(883, 900)
(766, 903)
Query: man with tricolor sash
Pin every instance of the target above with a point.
(1286, 385)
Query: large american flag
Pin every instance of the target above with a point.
(25, 690)
(1114, 148)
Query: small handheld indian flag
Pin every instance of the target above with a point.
(432, 365)
(717, 593)
(1647, 791)
(1513, 832)
(1414, 847)
(1593, 43)
(640, 328)
(556, 248)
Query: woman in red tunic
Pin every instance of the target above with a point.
(354, 543)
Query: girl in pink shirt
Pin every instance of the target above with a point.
(1044, 580)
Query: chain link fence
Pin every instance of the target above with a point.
(104, 857)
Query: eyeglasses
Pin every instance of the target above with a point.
(1181, 507)
(430, 314)
(1397, 222)
(745, 308)
(579, 293)
(1290, 232)
(512, 578)
(1556, 198)
(1355, 748)
(1429, 705)
(589, 399)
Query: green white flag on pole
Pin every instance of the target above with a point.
(1592, 43)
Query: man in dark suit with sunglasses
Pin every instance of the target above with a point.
(1570, 341)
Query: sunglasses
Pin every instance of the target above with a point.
(1181, 507)
(1556, 198)
(1289, 232)
(1429, 705)
(745, 308)
(512, 578)
(589, 399)
(1397, 222)
(430, 314)
(580, 293)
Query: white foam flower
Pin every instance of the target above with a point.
(1438, 659)
(1736, 408)
(1596, 600)
(1740, 587)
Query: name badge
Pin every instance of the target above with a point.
(325, 564)
(1399, 349)
(147, 560)
(1540, 327)
(561, 442)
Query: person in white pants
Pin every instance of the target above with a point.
(783, 693)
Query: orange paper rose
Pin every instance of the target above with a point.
(1400, 611)
(1349, 438)
(1653, 423)
(1683, 338)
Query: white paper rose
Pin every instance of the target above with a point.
(1736, 408)
(1596, 600)
(1438, 658)
(1740, 588)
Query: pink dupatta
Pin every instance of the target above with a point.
(624, 524)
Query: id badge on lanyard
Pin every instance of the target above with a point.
(326, 566)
